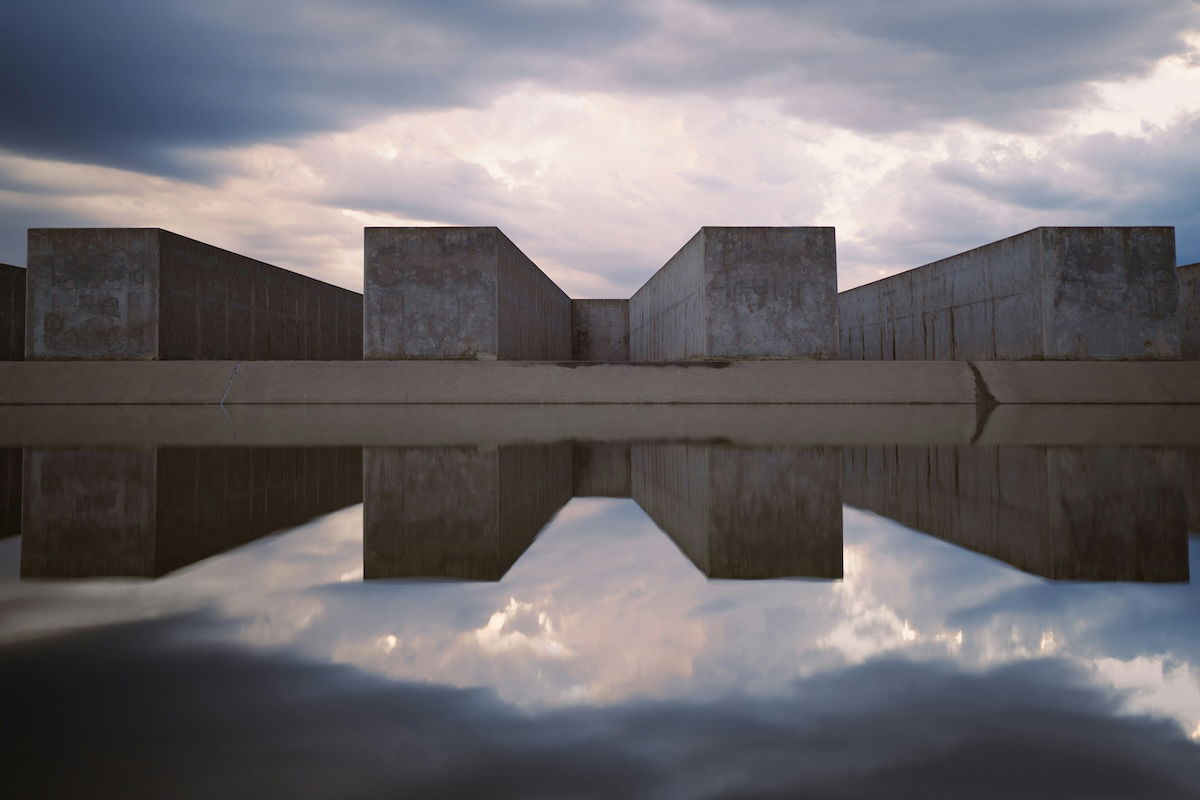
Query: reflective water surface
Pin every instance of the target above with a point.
(748, 602)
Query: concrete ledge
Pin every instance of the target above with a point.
(1091, 381)
(86, 382)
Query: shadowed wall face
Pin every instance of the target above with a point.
(1048, 293)
(740, 293)
(145, 293)
(1065, 513)
(12, 313)
(10, 491)
(1189, 311)
(599, 330)
(149, 511)
(745, 512)
(459, 293)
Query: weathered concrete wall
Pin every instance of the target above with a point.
(602, 469)
(146, 293)
(1189, 311)
(1048, 293)
(740, 293)
(600, 330)
(146, 512)
(458, 512)
(745, 512)
(10, 491)
(1065, 513)
(459, 293)
(12, 313)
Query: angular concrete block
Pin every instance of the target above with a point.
(600, 330)
(12, 313)
(1189, 311)
(1049, 293)
(146, 293)
(740, 293)
(459, 293)
(745, 512)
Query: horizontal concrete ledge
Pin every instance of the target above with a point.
(498, 425)
(749, 382)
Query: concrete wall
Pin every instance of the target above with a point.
(599, 330)
(10, 491)
(148, 511)
(1065, 513)
(740, 293)
(1189, 311)
(146, 293)
(459, 293)
(1048, 293)
(745, 512)
(466, 513)
(602, 469)
(12, 313)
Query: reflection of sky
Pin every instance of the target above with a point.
(603, 609)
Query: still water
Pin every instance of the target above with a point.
(496, 610)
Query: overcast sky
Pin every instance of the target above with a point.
(599, 135)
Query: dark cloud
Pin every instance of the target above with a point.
(144, 710)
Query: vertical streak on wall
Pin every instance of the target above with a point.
(12, 313)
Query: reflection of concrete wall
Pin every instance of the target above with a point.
(734, 293)
(601, 469)
(1189, 311)
(600, 330)
(145, 293)
(10, 491)
(1096, 513)
(12, 313)
(742, 512)
(149, 511)
(455, 293)
(1052, 293)
(458, 512)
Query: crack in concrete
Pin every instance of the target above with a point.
(229, 385)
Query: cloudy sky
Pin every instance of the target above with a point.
(599, 135)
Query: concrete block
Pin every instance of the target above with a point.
(602, 469)
(10, 491)
(147, 294)
(740, 293)
(466, 513)
(745, 512)
(600, 330)
(1189, 311)
(12, 313)
(459, 293)
(148, 511)
(1064, 513)
(1047, 294)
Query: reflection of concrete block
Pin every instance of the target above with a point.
(601, 469)
(745, 512)
(740, 293)
(459, 293)
(458, 512)
(12, 313)
(600, 330)
(1048, 293)
(150, 511)
(1068, 513)
(10, 491)
(1189, 311)
(145, 293)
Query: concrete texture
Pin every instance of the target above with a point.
(745, 512)
(601, 469)
(1049, 293)
(1065, 513)
(740, 293)
(10, 491)
(1189, 311)
(148, 294)
(12, 313)
(600, 330)
(459, 293)
(145, 512)
(1090, 382)
(465, 513)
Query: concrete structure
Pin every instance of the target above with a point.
(600, 330)
(740, 293)
(458, 512)
(10, 491)
(12, 313)
(459, 293)
(1189, 311)
(601, 469)
(1048, 293)
(145, 512)
(1065, 513)
(146, 293)
(745, 512)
